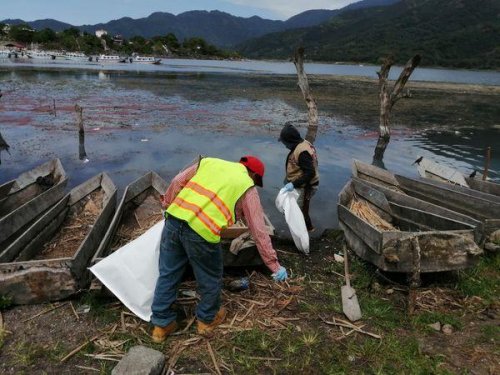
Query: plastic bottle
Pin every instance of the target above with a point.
(239, 284)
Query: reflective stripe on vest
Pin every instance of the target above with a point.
(208, 200)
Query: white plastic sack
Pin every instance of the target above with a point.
(286, 203)
(130, 272)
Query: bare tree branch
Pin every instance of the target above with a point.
(303, 83)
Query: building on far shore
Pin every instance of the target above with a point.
(100, 33)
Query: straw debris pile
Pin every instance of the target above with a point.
(137, 221)
(75, 227)
(361, 209)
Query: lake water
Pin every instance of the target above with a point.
(161, 118)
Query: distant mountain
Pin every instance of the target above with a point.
(41, 24)
(317, 16)
(218, 28)
(460, 33)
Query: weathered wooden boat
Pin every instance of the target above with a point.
(487, 187)
(399, 235)
(49, 260)
(138, 210)
(441, 173)
(31, 194)
(5, 189)
(478, 205)
(430, 169)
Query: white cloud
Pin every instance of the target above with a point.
(288, 8)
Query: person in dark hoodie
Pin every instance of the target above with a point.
(301, 169)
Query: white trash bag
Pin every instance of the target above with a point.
(286, 203)
(130, 272)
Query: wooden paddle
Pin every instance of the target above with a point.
(350, 305)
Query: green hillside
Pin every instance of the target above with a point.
(451, 33)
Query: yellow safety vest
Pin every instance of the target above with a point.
(208, 200)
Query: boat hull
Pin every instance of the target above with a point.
(27, 200)
(442, 243)
(29, 278)
(478, 205)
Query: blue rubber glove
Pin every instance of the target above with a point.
(280, 274)
(289, 187)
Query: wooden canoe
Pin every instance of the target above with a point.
(439, 172)
(31, 194)
(138, 210)
(434, 171)
(478, 205)
(49, 260)
(391, 232)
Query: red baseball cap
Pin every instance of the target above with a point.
(255, 165)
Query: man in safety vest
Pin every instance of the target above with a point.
(301, 169)
(202, 200)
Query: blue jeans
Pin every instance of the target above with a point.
(180, 245)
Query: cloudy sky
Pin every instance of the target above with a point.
(79, 12)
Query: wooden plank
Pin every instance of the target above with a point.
(487, 187)
(362, 250)
(23, 215)
(427, 219)
(5, 189)
(35, 246)
(407, 200)
(449, 196)
(37, 285)
(374, 174)
(12, 251)
(369, 234)
(375, 197)
(439, 172)
(440, 251)
(93, 239)
(132, 191)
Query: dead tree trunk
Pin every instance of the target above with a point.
(389, 97)
(312, 128)
(79, 115)
(81, 133)
(4, 146)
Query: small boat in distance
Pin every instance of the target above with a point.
(108, 59)
(144, 59)
(41, 55)
(76, 56)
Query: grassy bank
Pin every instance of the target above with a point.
(292, 328)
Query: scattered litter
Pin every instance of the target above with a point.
(435, 326)
(189, 293)
(83, 309)
(338, 258)
(447, 329)
(239, 284)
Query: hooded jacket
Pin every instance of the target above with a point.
(302, 162)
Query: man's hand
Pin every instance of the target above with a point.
(289, 187)
(280, 274)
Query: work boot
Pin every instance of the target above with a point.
(161, 333)
(207, 328)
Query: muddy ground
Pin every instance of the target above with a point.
(291, 328)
